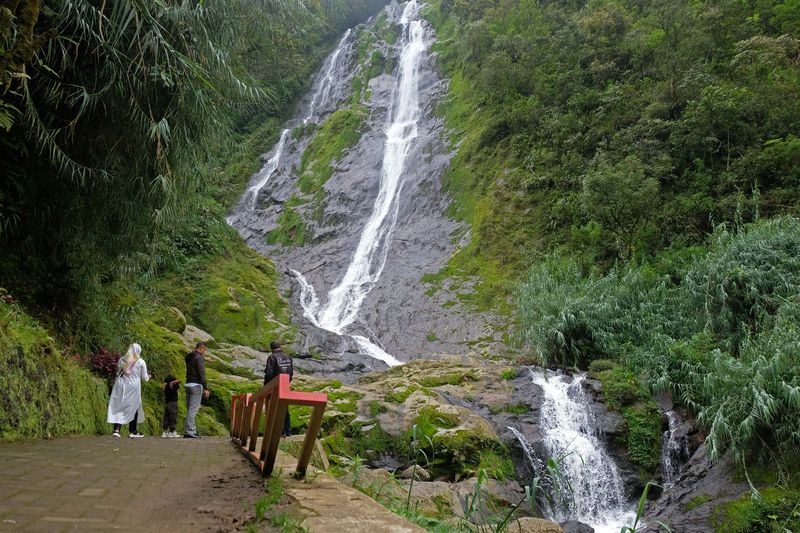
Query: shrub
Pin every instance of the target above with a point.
(104, 363)
(508, 373)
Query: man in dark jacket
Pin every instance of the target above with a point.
(196, 388)
(279, 363)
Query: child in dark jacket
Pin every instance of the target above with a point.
(171, 384)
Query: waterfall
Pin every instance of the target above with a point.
(325, 83)
(320, 99)
(266, 173)
(570, 435)
(673, 451)
(344, 301)
(535, 464)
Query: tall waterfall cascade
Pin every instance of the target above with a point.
(342, 305)
(570, 434)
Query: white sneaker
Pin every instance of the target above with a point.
(136, 436)
(174, 435)
(165, 435)
(115, 434)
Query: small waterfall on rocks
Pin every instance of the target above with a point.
(345, 299)
(673, 451)
(570, 434)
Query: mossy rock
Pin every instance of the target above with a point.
(238, 301)
(44, 392)
(170, 318)
(775, 510)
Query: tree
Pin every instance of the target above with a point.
(621, 197)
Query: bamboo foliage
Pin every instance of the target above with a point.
(722, 333)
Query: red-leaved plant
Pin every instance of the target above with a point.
(104, 363)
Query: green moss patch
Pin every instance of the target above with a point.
(44, 393)
(401, 393)
(776, 510)
(696, 502)
(291, 230)
(340, 131)
(453, 378)
(238, 302)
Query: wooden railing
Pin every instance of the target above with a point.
(273, 400)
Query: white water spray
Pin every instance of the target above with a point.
(344, 301)
(571, 435)
(266, 173)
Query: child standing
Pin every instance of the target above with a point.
(171, 384)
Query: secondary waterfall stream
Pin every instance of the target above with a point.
(320, 100)
(674, 452)
(570, 435)
(344, 300)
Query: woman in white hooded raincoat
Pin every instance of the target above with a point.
(125, 404)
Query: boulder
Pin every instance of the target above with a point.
(418, 473)
(171, 319)
(689, 505)
(573, 526)
(192, 335)
(534, 525)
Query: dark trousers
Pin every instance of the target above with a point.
(131, 426)
(287, 425)
(170, 421)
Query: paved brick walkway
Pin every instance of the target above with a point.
(154, 484)
(104, 483)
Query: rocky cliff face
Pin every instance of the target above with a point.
(308, 207)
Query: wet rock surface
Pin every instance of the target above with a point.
(398, 313)
(690, 503)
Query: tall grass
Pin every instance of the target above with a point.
(719, 329)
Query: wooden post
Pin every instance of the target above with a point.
(248, 423)
(311, 436)
(275, 437)
(258, 405)
(272, 409)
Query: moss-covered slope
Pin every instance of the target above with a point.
(43, 392)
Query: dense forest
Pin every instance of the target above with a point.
(630, 172)
(127, 129)
(635, 164)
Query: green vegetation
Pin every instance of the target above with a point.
(508, 374)
(696, 502)
(376, 408)
(717, 327)
(774, 510)
(291, 229)
(339, 132)
(45, 392)
(401, 393)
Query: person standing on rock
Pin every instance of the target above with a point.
(196, 388)
(279, 363)
(125, 404)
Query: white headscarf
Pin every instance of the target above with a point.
(134, 352)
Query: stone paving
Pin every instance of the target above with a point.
(103, 483)
(154, 484)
